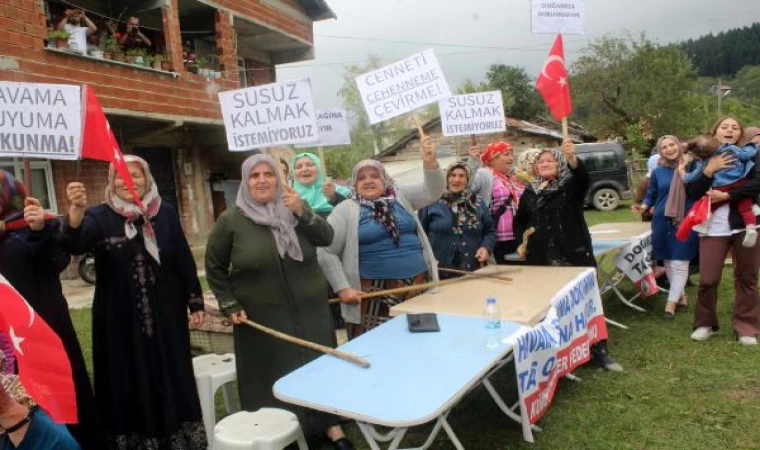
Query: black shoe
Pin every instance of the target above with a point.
(667, 315)
(601, 357)
(342, 444)
(682, 308)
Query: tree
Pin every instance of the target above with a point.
(622, 81)
(521, 100)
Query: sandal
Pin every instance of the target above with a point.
(683, 304)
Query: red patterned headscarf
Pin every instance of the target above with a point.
(493, 150)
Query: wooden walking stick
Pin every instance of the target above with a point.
(470, 274)
(308, 344)
(522, 250)
(430, 285)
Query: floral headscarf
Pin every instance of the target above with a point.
(313, 194)
(463, 204)
(381, 207)
(543, 185)
(11, 384)
(274, 214)
(526, 162)
(132, 212)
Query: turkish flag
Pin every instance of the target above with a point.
(552, 82)
(98, 141)
(700, 211)
(43, 365)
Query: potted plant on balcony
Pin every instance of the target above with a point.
(132, 55)
(148, 60)
(164, 63)
(203, 67)
(110, 47)
(60, 37)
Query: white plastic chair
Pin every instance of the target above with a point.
(265, 429)
(212, 372)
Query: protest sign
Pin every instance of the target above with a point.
(269, 115)
(477, 113)
(558, 345)
(634, 259)
(558, 16)
(40, 120)
(403, 86)
(333, 128)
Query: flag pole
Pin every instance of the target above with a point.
(565, 134)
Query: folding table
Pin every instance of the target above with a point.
(415, 378)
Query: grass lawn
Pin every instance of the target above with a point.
(675, 394)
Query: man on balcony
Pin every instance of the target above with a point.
(71, 22)
(134, 38)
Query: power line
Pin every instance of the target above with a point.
(529, 48)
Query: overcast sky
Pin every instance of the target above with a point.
(466, 27)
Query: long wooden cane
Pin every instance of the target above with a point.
(308, 344)
(470, 274)
(430, 285)
(522, 250)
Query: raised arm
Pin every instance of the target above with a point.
(81, 231)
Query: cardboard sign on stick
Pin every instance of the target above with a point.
(269, 115)
(402, 87)
(558, 16)
(470, 114)
(40, 120)
(333, 128)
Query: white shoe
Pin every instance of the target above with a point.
(750, 237)
(702, 334)
(748, 340)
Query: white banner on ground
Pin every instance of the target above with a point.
(557, 346)
(333, 128)
(634, 260)
(269, 115)
(403, 86)
(40, 120)
(558, 16)
(476, 113)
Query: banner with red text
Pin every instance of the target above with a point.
(557, 346)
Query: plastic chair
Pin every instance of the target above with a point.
(265, 429)
(212, 372)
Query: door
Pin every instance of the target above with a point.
(162, 167)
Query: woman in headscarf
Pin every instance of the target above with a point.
(32, 258)
(553, 205)
(666, 192)
(146, 283)
(261, 262)
(379, 242)
(309, 181)
(459, 225)
(497, 185)
(24, 425)
(526, 164)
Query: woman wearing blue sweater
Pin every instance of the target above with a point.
(459, 225)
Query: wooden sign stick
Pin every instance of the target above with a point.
(321, 154)
(308, 344)
(28, 177)
(565, 133)
(473, 141)
(418, 123)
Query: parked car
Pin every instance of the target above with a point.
(605, 163)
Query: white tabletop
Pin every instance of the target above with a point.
(414, 377)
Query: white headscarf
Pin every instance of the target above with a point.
(274, 214)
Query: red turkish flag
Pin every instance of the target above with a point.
(98, 141)
(43, 365)
(552, 82)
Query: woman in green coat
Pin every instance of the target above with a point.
(261, 263)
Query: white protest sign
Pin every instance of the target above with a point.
(40, 120)
(558, 16)
(333, 128)
(634, 259)
(477, 113)
(403, 86)
(269, 115)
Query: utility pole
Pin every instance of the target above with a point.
(721, 91)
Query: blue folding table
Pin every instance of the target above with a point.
(415, 378)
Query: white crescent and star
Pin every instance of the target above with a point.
(549, 60)
(17, 340)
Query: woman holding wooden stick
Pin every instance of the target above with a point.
(261, 263)
(459, 225)
(379, 243)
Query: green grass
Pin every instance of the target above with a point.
(674, 395)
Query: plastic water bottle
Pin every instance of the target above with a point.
(492, 317)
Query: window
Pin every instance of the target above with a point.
(242, 73)
(598, 161)
(42, 185)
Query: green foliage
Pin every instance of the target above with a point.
(59, 35)
(521, 99)
(725, 53)
(623, 81)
